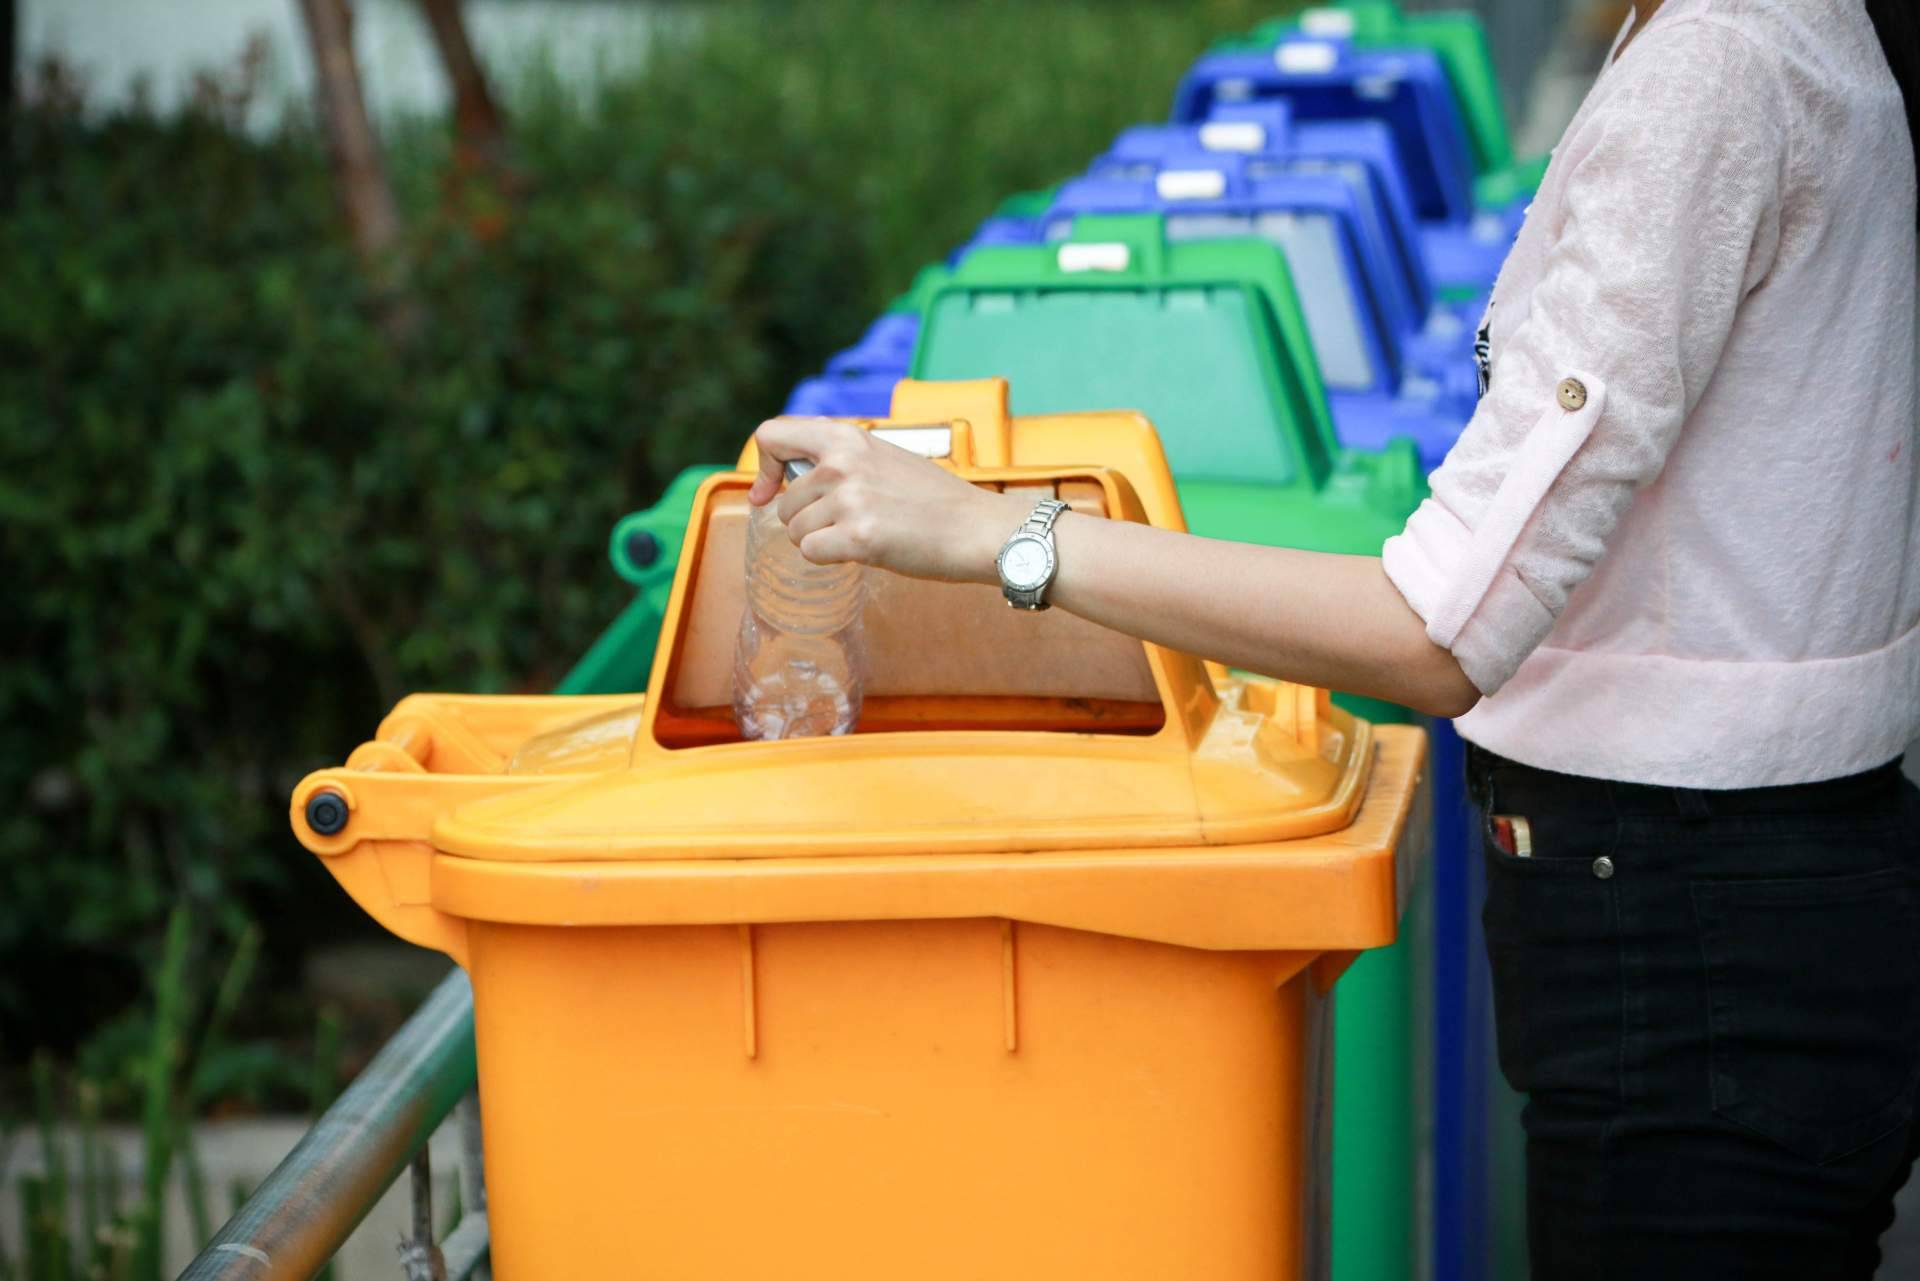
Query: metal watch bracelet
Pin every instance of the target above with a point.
(1038, 525)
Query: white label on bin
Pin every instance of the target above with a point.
(1191, 184)
(1102, 256)
(1306, 57)
(928, 442)
(1234, 135)
(1327, 24)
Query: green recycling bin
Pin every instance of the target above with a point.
(1026, 204)
(646, 549)
(925, 281)
(1207, 338)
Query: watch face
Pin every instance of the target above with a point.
(1024, 563)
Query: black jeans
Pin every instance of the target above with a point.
(1712, 1003)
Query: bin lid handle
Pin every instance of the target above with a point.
(1101, 256)
(1191, 184)
(1233, 135)
(1306, 57)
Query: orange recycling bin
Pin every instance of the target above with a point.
(1025, 978)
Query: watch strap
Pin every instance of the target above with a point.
(1045, 513)
(1039, 524)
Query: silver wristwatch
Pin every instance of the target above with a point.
(1028, 562)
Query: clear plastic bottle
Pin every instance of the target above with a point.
(801, 662)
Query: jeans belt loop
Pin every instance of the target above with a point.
(1693, 804)
(1479, 777)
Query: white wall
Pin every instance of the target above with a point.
(114, 43)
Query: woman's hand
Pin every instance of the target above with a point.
(872, 502)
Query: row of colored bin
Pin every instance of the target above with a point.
(1285, 280)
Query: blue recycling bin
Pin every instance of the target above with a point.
(1440, 332)
(858, 380)
(1340, 273)
(886, 348)
(1265, 134)
(1405, 89)
(1327, 79)
(866, 395)
(999, 229)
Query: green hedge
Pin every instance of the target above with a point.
(238, 521)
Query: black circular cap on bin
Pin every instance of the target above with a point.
(642, 548)
(327, 812)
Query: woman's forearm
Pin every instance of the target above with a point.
(1311, 617)
(1332, 621)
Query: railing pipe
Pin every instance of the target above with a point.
(311, 1203)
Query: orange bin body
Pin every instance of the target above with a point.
(1026, 978)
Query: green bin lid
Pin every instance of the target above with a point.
(1205, 337)
(1026, 204)
(925, 281)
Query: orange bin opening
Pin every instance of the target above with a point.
(943, 656)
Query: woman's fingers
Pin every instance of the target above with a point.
(830, 546)
(808, 519)
(872, 502)
(804, 492)
(785, 440)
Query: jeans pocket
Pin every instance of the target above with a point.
(1813, 992)
(1553, 947)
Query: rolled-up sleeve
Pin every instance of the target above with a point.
(1668, 218)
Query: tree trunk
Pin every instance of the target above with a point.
(9, 90)
(476, 117)
(373, 217)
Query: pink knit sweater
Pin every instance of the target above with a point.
(1708, 574)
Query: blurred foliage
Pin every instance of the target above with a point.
(239, 519)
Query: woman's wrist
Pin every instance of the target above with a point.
(984, 531)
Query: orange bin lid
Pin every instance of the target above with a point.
(1035, 766)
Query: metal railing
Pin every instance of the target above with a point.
(313, 1200)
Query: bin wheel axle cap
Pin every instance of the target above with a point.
(327, 812)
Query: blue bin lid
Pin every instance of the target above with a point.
(1316, 218)
(1369, 145)
(1432, 420)
(1406, 89)
(843, 396)
(1469, 255)
(1000, 229)
(1253, 128)
(1387, 229)
(1264, 133)
(886, 348)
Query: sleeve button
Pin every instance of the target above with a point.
(1573, 394)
